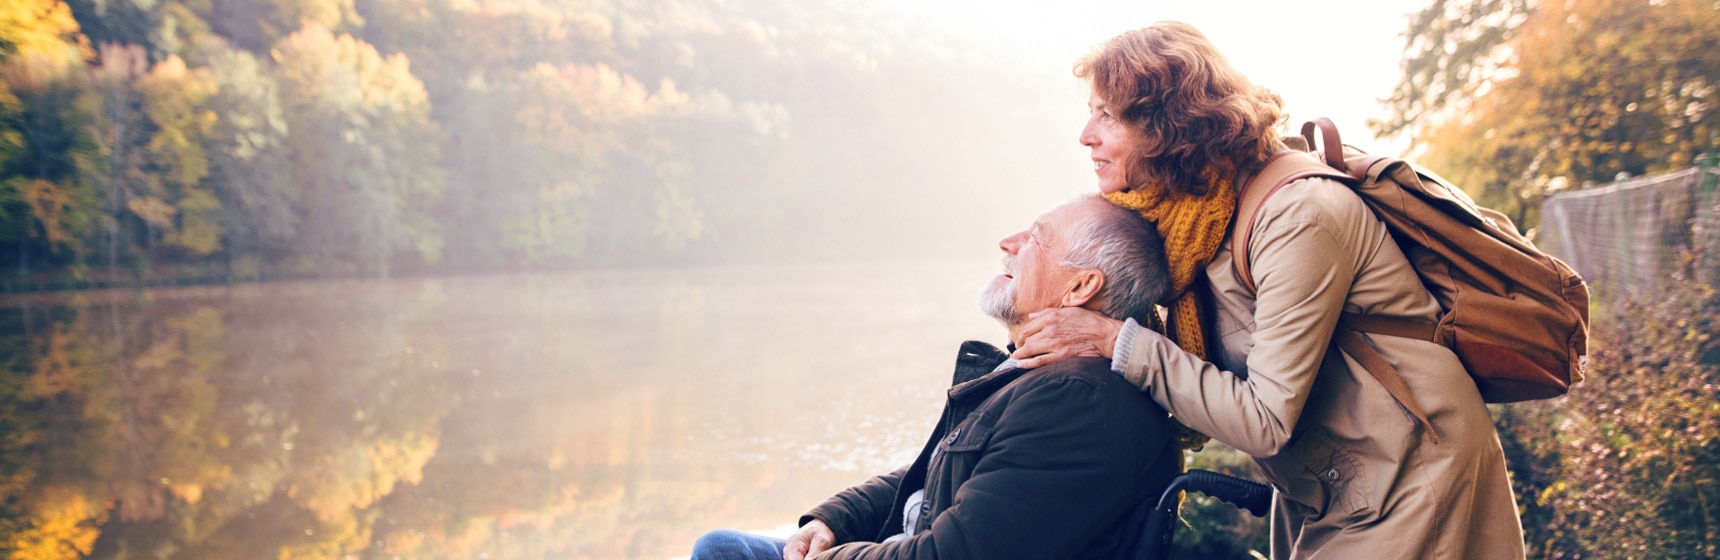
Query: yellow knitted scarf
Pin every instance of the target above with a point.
(1192, 228)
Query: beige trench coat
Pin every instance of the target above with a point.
(1357, 476)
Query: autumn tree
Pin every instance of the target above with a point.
(575, 118)
(44, 204)
(256, 24)
(121, 22)
(176, 100)
(481, 67)
(1516, 100)
(117, 166)
(363, 150)
(40, 48)
(40, 27)
(248, 165)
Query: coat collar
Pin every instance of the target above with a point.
(980, 368)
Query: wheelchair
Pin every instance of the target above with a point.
(1151, 524)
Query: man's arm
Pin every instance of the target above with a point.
(1026, 499)
(859, 513)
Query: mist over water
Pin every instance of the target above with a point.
(603, 415)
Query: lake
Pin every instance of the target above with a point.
(602, 415)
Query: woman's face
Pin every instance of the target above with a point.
(1111, 144)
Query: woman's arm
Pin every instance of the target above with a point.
(1304, 272)
(1304, 267)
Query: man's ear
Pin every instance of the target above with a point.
(1083, 287)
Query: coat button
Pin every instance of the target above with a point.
(1332, 475)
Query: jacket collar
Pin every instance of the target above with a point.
(980, 368)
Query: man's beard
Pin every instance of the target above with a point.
(999, 302)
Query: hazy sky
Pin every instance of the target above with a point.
(1331, 58)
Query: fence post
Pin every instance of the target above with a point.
(1707, 217)
(1708, 162)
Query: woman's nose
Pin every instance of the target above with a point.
(1088, 138)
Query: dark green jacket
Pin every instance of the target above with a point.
(1029, 464)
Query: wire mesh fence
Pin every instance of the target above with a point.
(1636, 235)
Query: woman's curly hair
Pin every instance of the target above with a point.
(1196, 118)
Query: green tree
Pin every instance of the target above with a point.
(45, 203)
(176, 100)
(184, 33)
(1449, 57)
(39, 44)
(123, 22)
(255, 25)
(286, 16)
(248, 173)
(363, 150)
(572, 119)
(118, 166)
(15, 215)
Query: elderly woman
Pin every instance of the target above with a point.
(1174, 131)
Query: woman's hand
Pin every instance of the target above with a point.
(812, 538)
(1054, 334)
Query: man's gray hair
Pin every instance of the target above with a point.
(1126, 248)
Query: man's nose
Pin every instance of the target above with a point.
(1012, 244)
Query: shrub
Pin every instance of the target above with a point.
(1628, 464)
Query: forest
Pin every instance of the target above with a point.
(243, 139)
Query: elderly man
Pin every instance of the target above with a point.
(1044, 463)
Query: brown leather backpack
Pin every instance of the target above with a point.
(1517, 318)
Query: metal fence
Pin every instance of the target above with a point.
(1636, 235)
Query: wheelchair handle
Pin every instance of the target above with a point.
(1151, 527)
(1249, 495)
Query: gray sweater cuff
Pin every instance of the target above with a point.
(1125, 342)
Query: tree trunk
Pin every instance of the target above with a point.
(114, 188)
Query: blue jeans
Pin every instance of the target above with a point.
(729, 544)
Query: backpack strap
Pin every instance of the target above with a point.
(1333, 148)
(1351, 341)
(1288, 167)
(1391, 326)
(1281, 169)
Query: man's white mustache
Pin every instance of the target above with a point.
(1009, 265)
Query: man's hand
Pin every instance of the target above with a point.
(1063, 332)
(811, 539)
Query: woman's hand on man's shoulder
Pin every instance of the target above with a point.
(1064, 332)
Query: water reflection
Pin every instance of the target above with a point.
(601, 415)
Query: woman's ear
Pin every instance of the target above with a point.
(1084, 286)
